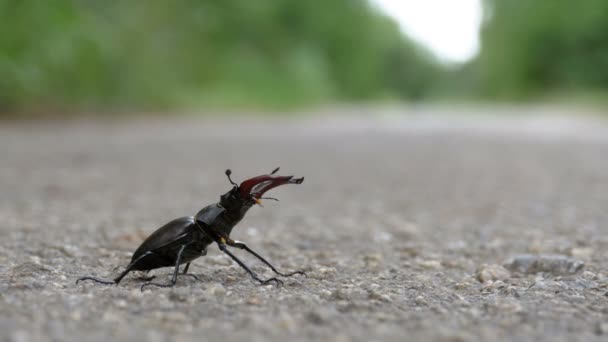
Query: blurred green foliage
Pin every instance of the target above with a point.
(70, 54)
(542, 47)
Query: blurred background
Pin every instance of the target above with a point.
(68, 57)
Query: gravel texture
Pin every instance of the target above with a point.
(419, 228)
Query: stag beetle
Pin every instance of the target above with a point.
(185, 239)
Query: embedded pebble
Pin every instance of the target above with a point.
(377, 295)
(372, 260)
(420, 301)
(506, 305)
(323, 272)
(492, 272)
(430, 264)
(581, 252)
(325, 293)
(547, 263)
(216, 290)
(341, 294)
(254, 300)
(404, 230)
(327, 270)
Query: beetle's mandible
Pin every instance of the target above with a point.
(185, 239)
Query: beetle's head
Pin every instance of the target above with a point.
(251, 191)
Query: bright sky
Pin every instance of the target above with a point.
(449, 28)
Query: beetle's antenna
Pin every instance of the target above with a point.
(271, 198)
(228, 173)
(275, 170)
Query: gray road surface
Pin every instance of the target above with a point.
(403, 225)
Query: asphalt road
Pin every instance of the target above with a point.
(403, 224)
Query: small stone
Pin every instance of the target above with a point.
(341, 294)
(430, 264)
(375, 295)
(231, 279)
(542, 284)
(590, 275)
(462, 285)
(491, 273)
(374, 286)
(408, 230)
(451, 264)
(581, 252)
(420, 301)
(506, 305)
(216, 290)
(372, 260)
(327, 270)
(325, 294)
(408, 251)
(546, 263)
(498, 284)
(255, 300)
(323, 272)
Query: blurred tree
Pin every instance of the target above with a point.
(533, 47)
(70, 54)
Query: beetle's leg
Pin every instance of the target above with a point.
(130, 267)
(185, 272)
(97, 280)
(117, 279)
(242, 245)
(175, 272)
(263, 282)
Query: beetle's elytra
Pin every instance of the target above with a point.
(186, 238)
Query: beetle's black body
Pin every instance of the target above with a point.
(181, 231)
(187, 238)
